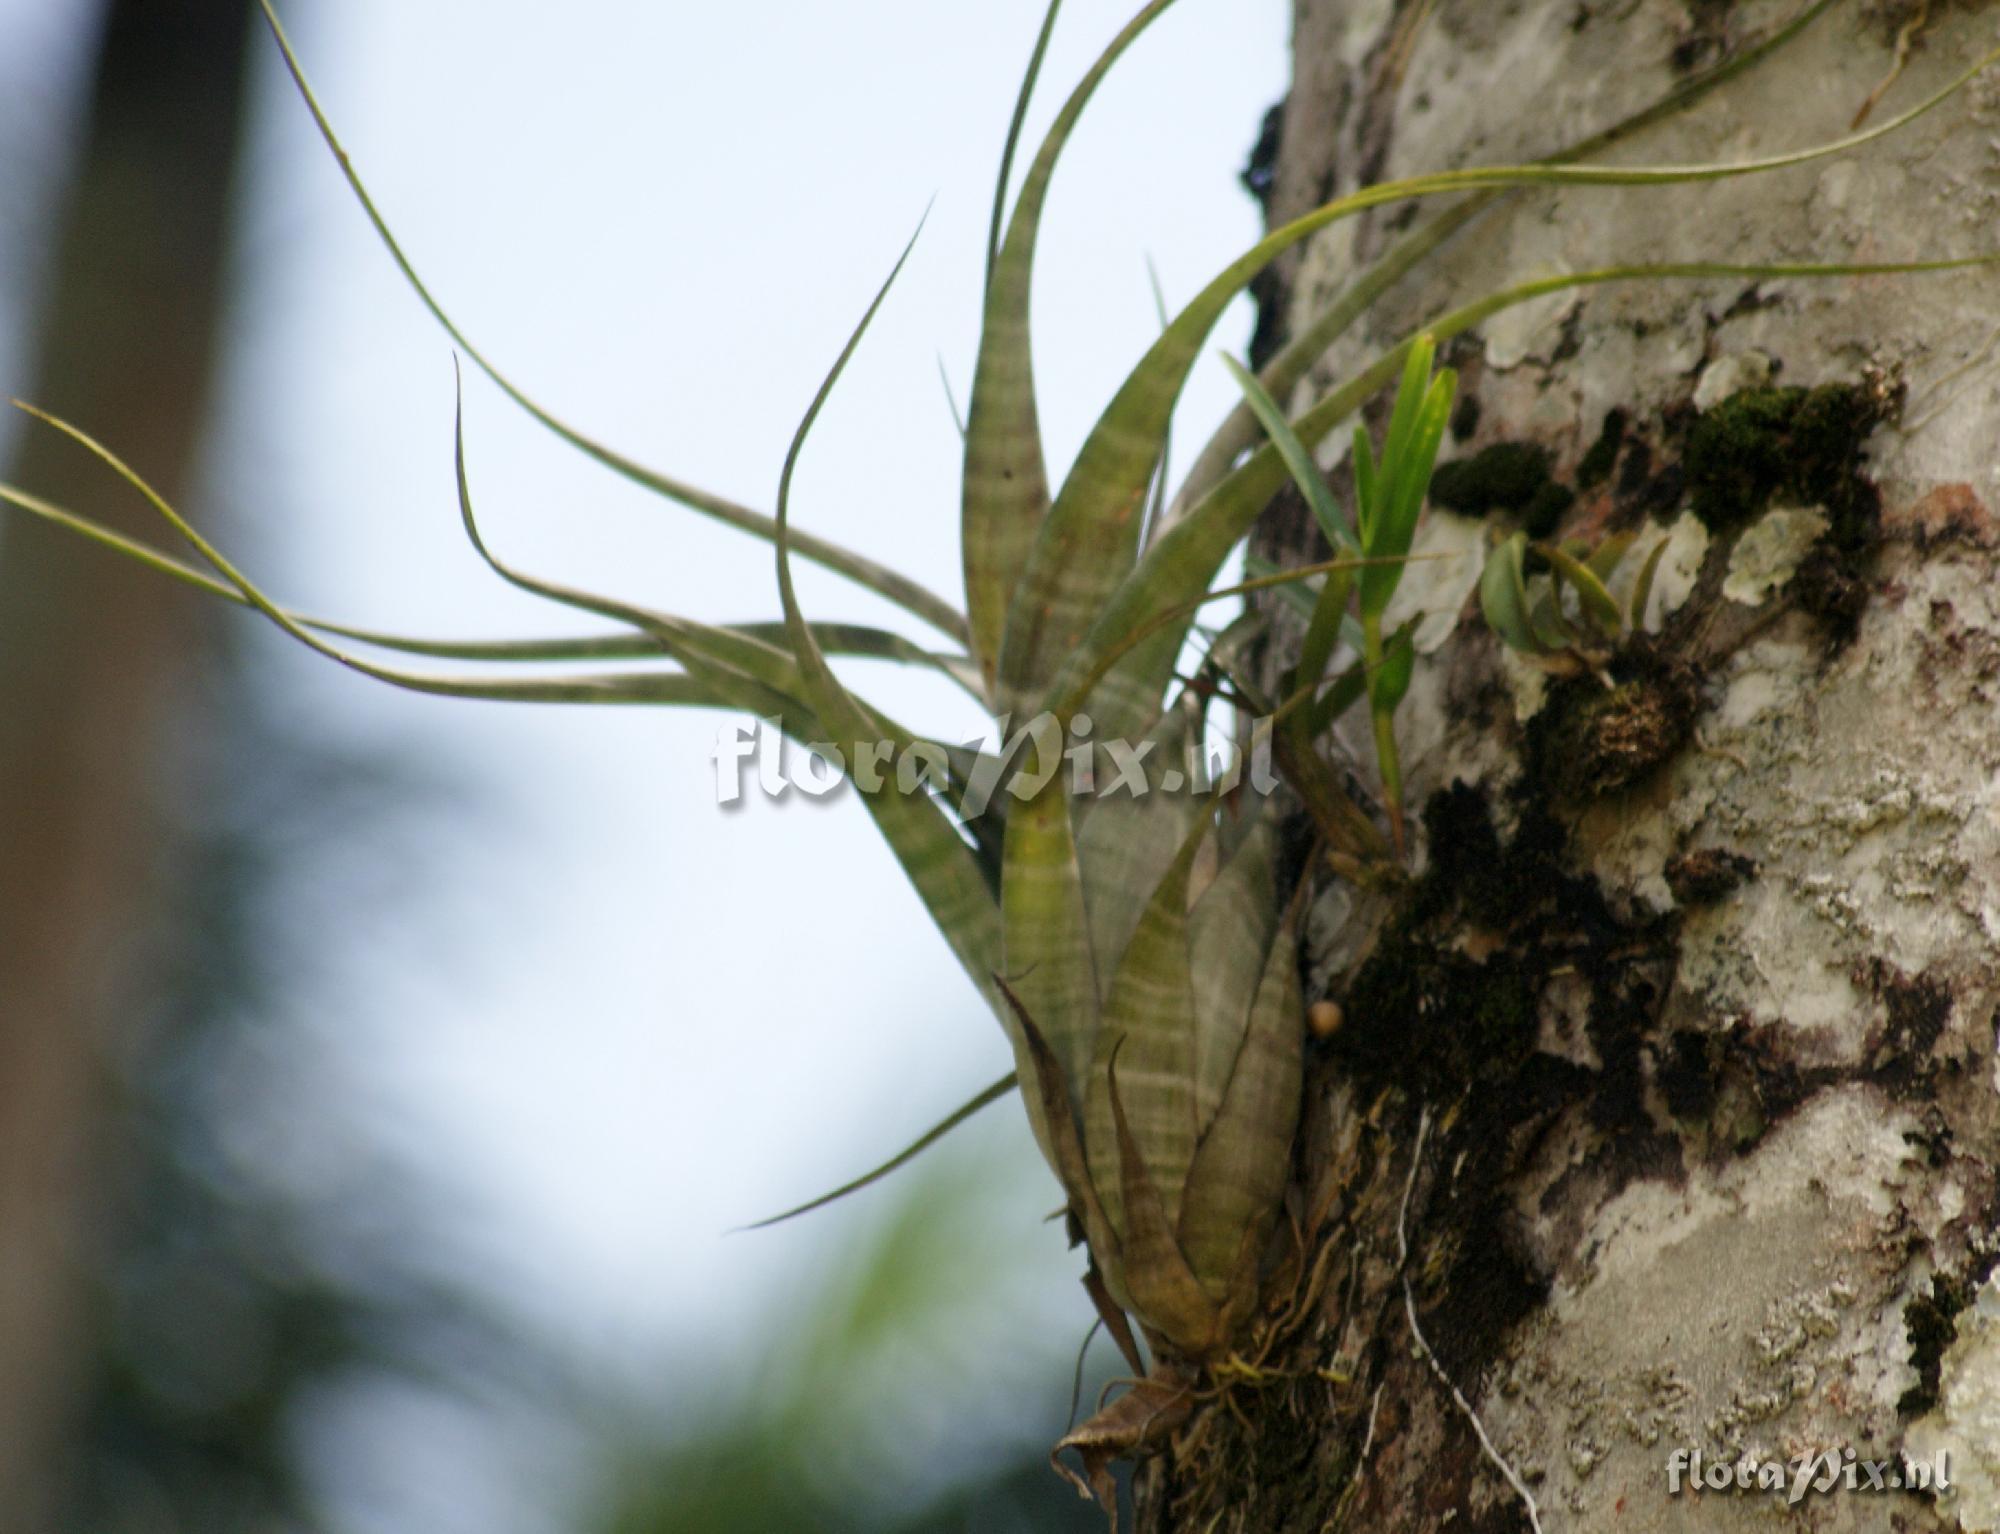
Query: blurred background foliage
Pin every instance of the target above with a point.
(877, 1404)
(206, 1269)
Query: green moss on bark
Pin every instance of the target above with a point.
(1801, 446)
(1511, 477)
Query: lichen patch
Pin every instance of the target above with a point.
(1770, 551)
(1447, 556)
(1966, 1423)
(1729, 375)
(1679, 568)
(1528, 331)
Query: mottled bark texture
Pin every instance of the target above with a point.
(90, 650)
(1694, 995)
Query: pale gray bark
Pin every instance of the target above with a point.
(1735, 1191)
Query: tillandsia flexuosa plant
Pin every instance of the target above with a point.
(1134, 945)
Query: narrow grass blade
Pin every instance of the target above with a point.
(1001, 1088)
(1403, 414)
(1021, 100)
(1642, 588)
(1367, 493)
(631, 688)
(1298, 459)
(899, 589)
(1403, 498)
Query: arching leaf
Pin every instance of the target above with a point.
(1002, 1088)
(884, 582)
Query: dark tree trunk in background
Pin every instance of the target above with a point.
(90, 653)
(1676, 1069)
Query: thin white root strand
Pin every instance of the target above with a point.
(1937, 389)
(1486, 1444)
(1374, 1407)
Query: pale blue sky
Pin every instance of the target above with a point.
(624, 1021)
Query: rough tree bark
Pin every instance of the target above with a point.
(1677, 1064)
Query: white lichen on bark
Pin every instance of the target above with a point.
(1966, 1425)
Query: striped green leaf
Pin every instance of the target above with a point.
(1126, 844)
(1149, 1022)
(1229, 934)
(1006, 481)
(1051, 1108)
(1238, 1176)
(1165, 1292)
(1048, 955)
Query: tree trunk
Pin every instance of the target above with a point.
(89, 651)
(1663, 1112)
